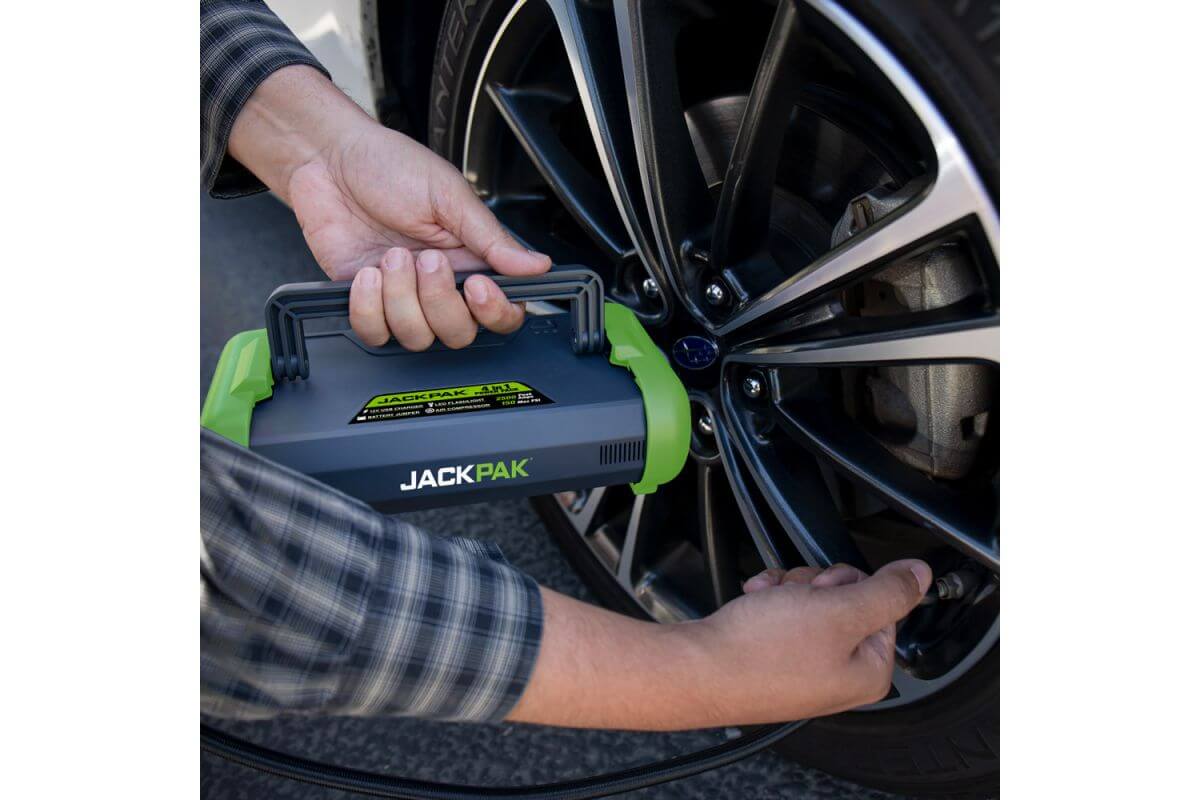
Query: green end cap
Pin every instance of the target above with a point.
(668, 412)
(242, 378)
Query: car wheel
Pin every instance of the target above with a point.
(800, 201)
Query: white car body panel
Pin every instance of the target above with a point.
(337, 33)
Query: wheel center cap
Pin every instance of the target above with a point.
(694, 352)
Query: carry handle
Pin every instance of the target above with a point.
(291, 304)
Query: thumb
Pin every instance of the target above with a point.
(477, 227)
(884, 598)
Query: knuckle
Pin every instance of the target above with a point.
(416, 341)
(459, 338)
(486, 312)
(413, 335)
(371, 335)
(876, 688)
(883, 685)
(510, 318)
(870, 686)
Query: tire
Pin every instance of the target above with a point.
(946, 745)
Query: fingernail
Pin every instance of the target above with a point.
(429, 264)
(923, 574)
(477, 291)
(370, 278)
(537, 255)
(392, 260)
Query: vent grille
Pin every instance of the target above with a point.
(621, 452)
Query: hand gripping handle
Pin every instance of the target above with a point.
(291, 304)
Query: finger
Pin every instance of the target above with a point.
(837, 575)
(873, 663)
(463, 260)
(401, 305)
(441, 303)
(879, 649)
(801, 575)
(366, 307)
(489, 305)
(763, 580)
(883, 598)
(477, 227)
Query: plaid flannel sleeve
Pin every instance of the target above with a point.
(241, 43)
(313, 603)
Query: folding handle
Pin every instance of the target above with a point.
(291, 304)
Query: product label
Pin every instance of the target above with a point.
(418, 403)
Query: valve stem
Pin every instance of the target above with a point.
(952, 586)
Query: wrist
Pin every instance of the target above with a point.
(295, 117)
(598, 669)
(703, 655)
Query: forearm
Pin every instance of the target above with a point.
(598, 669)
(294, 117)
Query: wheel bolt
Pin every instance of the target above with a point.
(650, 288)
(715, 294)
(753, 385)
(705, 424)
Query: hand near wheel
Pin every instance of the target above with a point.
(378, 207)
(839, 623)
(798, 644)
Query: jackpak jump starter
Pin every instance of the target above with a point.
(568, 401)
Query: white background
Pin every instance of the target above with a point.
(98, 380)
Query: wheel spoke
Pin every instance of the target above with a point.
(955, 193)
(632, 546)
(583, 517)
(796, 492)
(528, 114)
(672, 181)
(964, 520)
(524, 215)
(589, 37)
(744, 209)
(720, 556)
(976, 340)
(735, 473)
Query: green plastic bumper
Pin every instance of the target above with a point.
(242, 378)
(668, 412)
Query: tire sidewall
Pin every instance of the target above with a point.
(468, 26)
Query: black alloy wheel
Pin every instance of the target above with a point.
(800, 201)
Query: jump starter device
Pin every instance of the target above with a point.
(568, 401)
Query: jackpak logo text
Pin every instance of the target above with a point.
(465, 473)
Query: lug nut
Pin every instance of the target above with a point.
(753, 385)
(650, 288)
(705, 424)
(715, 294)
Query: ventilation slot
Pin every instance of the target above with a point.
(621, 452)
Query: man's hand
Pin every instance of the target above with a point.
(380, 208)
(799, 644)
(833, 631)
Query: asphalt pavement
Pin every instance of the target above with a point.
(248, 247)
